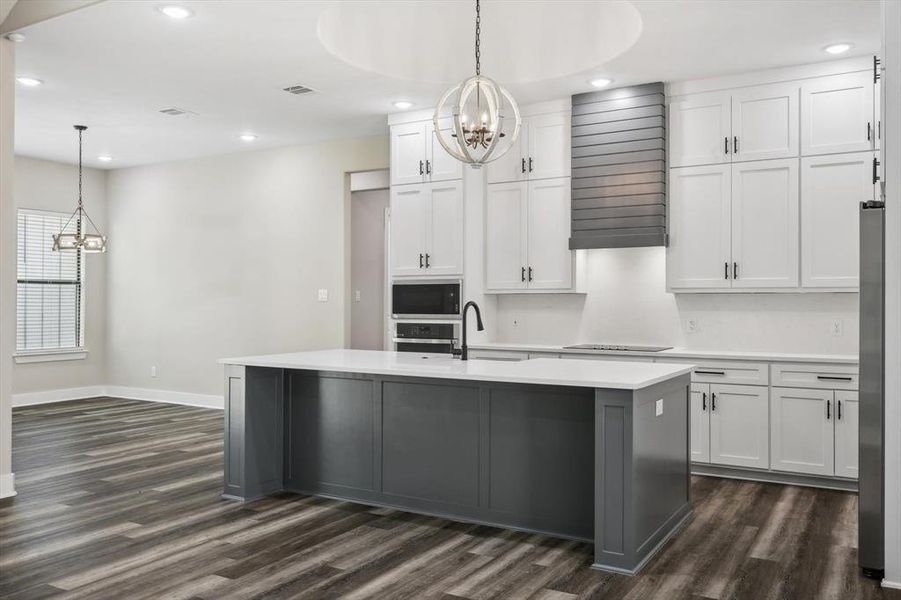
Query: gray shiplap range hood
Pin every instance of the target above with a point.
(619, 168)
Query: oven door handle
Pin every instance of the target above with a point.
(402, 340)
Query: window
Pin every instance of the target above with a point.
(49, 286)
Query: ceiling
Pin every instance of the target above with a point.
(114, 65)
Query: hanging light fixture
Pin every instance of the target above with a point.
(87, 240)
(486, 119)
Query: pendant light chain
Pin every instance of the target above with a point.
(80, 203)
(478, 40)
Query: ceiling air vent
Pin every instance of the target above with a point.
(176, 112)
(297, 90)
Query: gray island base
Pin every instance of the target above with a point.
(481, 441)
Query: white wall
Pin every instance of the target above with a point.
(223, 256)
(46, 185)
(7, 259)
(626, 302)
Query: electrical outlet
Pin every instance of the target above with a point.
(323, 295)
(356, 295)
(658, 407)
(837, 328)
(691, 325)
(153, 371)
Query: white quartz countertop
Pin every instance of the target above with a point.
(677, 353)
(541, 371)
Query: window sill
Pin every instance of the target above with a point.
(38, 356)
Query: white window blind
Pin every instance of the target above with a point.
(49, 289)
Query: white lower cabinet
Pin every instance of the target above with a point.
(846, 436)
(739, 426)
(699, 423)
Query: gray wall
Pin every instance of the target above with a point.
(367, 268)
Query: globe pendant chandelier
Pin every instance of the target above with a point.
(485, 117)
(83, 239)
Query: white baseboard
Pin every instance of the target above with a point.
(31, 398)
(7, 485)
(118, 391)
(895, 585)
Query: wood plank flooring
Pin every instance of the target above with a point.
(120, 499)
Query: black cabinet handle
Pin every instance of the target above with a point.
(876, 74)
(700, 372)
(712, 401)
(868, 131)
(530, 273)
(420, 168)
(838, 410)
(735, 270)
(523, 165)
(726, 144)
(522, 275)
(420, 260)
(428, 167)
(703, 401)
(833, 378)
(530, 164)
(828, 409)
(735, 145)
(875, 170)
(427, 265)
(725, 270)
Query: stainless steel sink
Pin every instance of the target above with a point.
(617, 347)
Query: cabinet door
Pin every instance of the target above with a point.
(765, 226)
(506, 225)
(699, 422)
(837, 114)
(445, 229)
(513, 164)
(739, 426)
(409, 211)
(550, 261)
(832, 188)
(441, 165)
(802, 431)
(700, 130)
(550, 146)
(699, 228)
(765, 122)
(408, 153)
(846, 424)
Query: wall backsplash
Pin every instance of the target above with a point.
(627, 302)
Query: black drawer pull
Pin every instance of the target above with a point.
(833, 378)
(699, 372)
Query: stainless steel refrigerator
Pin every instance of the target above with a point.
(871, 510)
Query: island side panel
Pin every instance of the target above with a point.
(254, 432)
(642, 483)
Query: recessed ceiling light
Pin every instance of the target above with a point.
(16, 37)
(838, 48)
(403, 104)
(104, 158)
(247, 137)
(173, 11)
(29, 81)
(600, 82)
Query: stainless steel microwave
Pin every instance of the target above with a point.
(426, 299)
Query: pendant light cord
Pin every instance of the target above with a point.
(478, 40)
(80, 204)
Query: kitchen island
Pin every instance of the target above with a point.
(587, 450)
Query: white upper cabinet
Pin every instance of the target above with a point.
(765, 229)
(837, 114)
(846, 433)
(408, 153)
(765, 122)
(427, 230)
(802, 430)
(699, 423)
(441, 166)
(418, 157)
(506, 232)
(527, 227)
(541, 151)
(832, 188)
(550, 262)
(700, 130)
(699, 254)
(739, 425)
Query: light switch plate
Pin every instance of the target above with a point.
(323, 295)
(658, 406)
(357, 295)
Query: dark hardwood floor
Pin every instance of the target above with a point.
(120, 499)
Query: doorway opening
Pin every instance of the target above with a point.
(368, 245)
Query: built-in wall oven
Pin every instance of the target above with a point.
(426, 299)
(426, 338)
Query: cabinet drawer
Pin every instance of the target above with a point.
(832, 377)
(730, 372)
